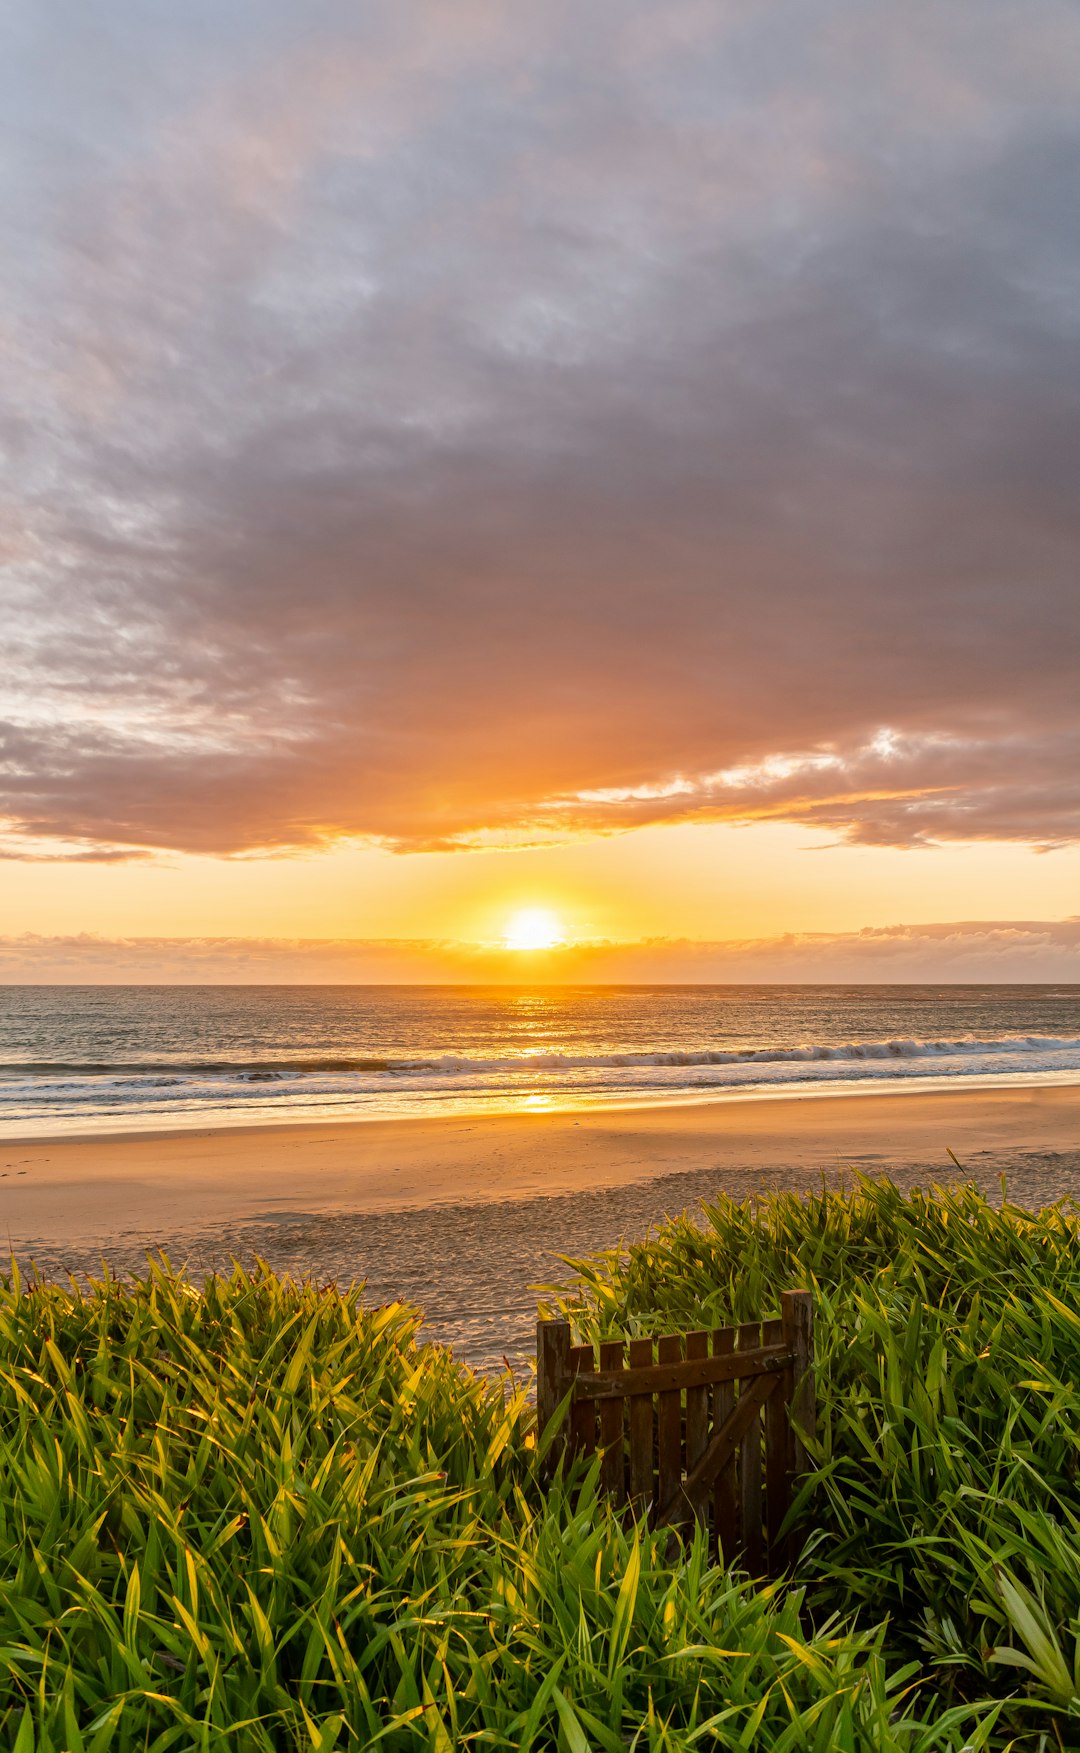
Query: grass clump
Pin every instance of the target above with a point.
(261, 1516)
(946, 1502)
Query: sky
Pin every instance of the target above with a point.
(616, 458)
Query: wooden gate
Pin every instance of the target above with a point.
(707, 1427)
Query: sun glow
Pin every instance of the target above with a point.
(534, 928)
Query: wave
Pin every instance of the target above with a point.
(167, 1073)
(42, 1097)
(252, 1069)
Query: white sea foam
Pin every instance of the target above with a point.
(36, 1096)
(810, 1053)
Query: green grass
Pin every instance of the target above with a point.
(946, 1503)
(262, 1516)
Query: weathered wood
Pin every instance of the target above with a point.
(552, 1373)
(642, 1485)
(696, 1372)
(725, 1523)
(582, 1411)
(749, 1398)
(777, 1473)
(669, 1426)
(612, 1471)
(749, 1340)
(697, 1403)
(797, 1321)
(692, 1492)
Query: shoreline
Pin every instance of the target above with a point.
(541, 1108)
(463, 1217)
(95, 1186)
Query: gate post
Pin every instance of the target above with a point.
(797, 1320)
(552, 1380)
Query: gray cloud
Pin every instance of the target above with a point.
(428, 423)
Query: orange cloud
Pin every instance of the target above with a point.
(437, 425)
(1011, 951)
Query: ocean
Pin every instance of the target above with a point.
(101, 1059)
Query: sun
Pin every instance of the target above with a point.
(533, 928)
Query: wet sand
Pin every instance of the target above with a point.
(462, 1216)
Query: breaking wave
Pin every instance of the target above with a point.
(96, 1060)
(174, 1072)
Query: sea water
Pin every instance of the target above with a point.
(98, 1059)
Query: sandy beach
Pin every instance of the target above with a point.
(462, 1216)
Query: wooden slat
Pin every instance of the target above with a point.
(697, 1404)
(669, 1426)
(642, 1488)
(749, 1339)
(697, 1372)
(612, 1471)
(582, 1412)
(797, 1319)
(777, 1476)
(723, 1404)
(692, 1492)
(552, 1372)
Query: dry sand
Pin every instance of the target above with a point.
(462, 1215)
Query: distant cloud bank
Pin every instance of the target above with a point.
(1008, 951)
(441, 424)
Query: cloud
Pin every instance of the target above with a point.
(1009, 951)
(434, 425)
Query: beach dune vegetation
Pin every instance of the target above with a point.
(260, 1515)
(945, 1496)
